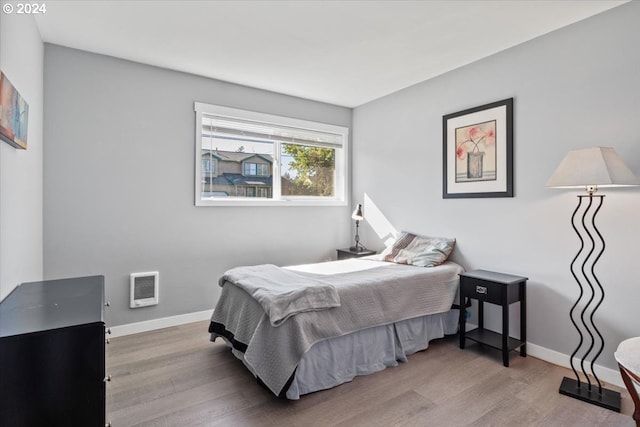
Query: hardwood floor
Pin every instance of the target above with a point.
(177, 377)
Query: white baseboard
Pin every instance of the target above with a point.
(164, 322)
(608, 375)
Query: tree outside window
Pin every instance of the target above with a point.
(308, 170)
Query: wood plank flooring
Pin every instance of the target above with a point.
(177, 377)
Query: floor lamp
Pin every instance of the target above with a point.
(589, 168)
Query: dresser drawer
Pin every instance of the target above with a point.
(481, 290)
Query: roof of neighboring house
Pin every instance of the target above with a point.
(239, 179)
(234, 156)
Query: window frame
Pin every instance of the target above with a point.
(342, 172)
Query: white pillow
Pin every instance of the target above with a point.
(418, 250)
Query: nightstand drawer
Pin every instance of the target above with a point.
(482, 290)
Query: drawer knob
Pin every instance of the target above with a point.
(481, 290)
(107, 304)
(107, 378)
(108, 331)
(107, 341)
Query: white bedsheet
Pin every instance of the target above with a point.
(339, 267)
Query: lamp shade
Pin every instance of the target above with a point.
(357, 213)
(592, 167)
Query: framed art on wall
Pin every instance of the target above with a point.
(478, 151)
(14, 114)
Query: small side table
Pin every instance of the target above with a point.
(500, 289)
(346, 253)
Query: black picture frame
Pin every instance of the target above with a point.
(477, 152)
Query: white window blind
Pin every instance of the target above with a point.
(298, 162)
(250, 130)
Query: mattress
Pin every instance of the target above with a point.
(303, 355)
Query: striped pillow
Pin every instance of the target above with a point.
(417, 250)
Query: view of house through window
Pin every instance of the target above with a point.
(236, 172)
(244, 158)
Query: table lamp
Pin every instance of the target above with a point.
(358, 216)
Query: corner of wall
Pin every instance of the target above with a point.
(21, 171)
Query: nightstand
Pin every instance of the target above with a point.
(346, 253)
(500, 289)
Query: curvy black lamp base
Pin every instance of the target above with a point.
(591, 292)
(609, 399)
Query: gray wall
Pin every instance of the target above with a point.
(118, 176)
(21, 59)
(118, 181)
(573, 88)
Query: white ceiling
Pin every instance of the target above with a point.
(341, 52)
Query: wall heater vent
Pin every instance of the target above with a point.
(143, 289)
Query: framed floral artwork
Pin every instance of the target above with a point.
(477, 153)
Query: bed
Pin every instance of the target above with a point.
(353, 317)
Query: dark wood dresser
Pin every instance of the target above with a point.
(52, 354)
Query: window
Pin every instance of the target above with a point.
(208, 167)
(249, 158)
(256, 169)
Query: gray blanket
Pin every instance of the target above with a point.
(281, 292)
(374, 297)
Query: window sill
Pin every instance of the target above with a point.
(286, 202)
